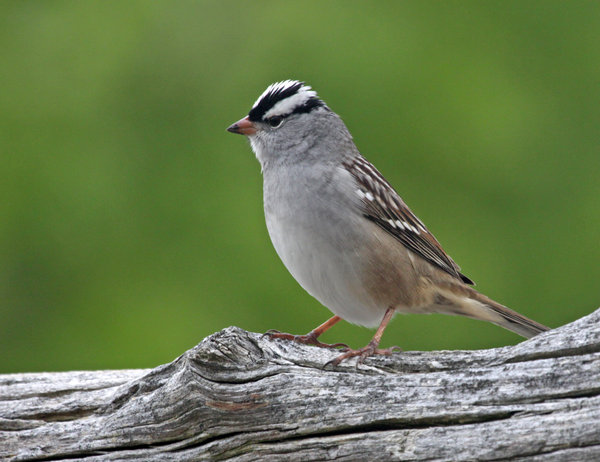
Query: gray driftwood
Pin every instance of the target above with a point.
(237, 396)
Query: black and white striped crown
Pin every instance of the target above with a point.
(283, 99)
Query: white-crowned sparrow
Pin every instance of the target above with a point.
(343, 232)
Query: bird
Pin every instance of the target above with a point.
(344, 233)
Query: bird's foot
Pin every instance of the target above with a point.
(308, 339)
(364, 352)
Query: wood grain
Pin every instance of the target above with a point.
(237, 396)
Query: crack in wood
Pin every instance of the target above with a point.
(239, 396)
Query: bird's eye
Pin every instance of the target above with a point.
(275, 121)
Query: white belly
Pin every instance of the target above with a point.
(324, 261)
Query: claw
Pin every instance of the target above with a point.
(308, 339)
(362, 353)
(270, 333)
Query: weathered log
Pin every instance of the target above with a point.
(237, 396)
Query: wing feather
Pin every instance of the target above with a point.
(385, 207)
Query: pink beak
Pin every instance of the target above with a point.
(242, 127)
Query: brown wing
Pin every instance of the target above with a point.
(385, 207)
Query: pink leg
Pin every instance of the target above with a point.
(371, 348)
(312, 336)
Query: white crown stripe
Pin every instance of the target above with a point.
(287, 105)
(276, 87)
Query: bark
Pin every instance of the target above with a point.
(237, 396)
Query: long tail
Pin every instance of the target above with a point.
(510, 319)
(468, 302)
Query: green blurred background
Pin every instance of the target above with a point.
(131, 222)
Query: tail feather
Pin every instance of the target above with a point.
(468, 302)
(511, 320)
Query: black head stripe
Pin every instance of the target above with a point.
(278, 93)
(308, 106)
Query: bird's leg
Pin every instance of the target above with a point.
(371, 348)
(312, 336)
